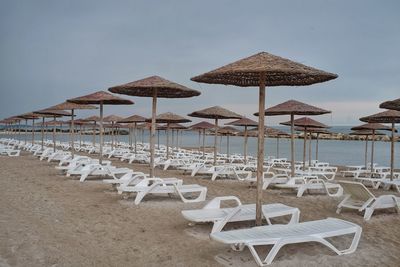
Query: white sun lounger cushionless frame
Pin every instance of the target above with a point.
(213, 212)
(280, 235)
(360, 198)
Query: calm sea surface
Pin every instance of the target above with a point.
(332, 151)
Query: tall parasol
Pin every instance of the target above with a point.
(373, 127)
(100, 98)
(246, 122)
(113, 119)
(33, 117)
(394, 104)
(169, 117)
(154, 87)
(216, 113)
(317, 131)
(365, 133)
(202, 126)
(392, 117)
(134, 119)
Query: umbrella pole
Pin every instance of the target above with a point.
(372, 151)
(42, 131)
(135, 136)
(72, 134)
(309, 149)
(277, 146)
(304, 148)
(54, 134)
(112, 135)
(101, 133)
(199, 140)
(80, 135)
(392, 154)
(292, 143)
(33, 131)
(19, 131)
(366, 151)
(26, 134)
(215, 141)
(168, 139)
(245, 144)
(94, 134)
(153, 131)
(204, 141)
(316, 147)
(227, 146)
(260, 153)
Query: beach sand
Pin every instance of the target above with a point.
(47, 219)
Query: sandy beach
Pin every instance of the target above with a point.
(47, 219)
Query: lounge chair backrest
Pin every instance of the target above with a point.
(357, 191)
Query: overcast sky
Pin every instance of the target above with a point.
(54, 50)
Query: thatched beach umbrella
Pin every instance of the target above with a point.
(71, 107)
(154, 87)
(113, 119)
(317, 131)
(246, 122)
(100, 98)
(26, 117)
(292, 108)
(373, 127)
(216, 113)
(169, 117)
(134, 119)
(202, 126)
(55, 114)
(45, 124)
(305, 123)
(177, 127)
(365, 133)
(393, 105)
(227, 131)
(389, 116)
(93, 119)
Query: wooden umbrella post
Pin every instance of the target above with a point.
(204, 140)
(72, 134)
(168, 139)
(260, 150)
(42, 131)
(227, 146)
(215, 141)
(316, 147)
(245, 144)
(19, 130)
(372, 151)
(33, 131)
(199, 140)
(292, 143)
(153, 131)
(366, 151)
(135, 136)
(392, 154)
(277, 146)
(94, 134)
(304, 148)
(54, 134)
(309, 149)
(112, 134)
(80, 135)
(101, 133)
(26, 134)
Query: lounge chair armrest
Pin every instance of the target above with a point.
(215, 203)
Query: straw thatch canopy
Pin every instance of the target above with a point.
(29, 116)
(112, 118)
(70, 106)
(243, 122)
(227, 130)
(394, 104)
(202, 125)
(364, 132)
(294, 107)
(100, 97)
(268, 132)
(177, 126)
(146, 87)
(306, 122)
(215, 112)
(51, 112)
(169, 117)
(372, 127)
(133, 118)
(313, 130)
(388, 116)
(92, 118)
(277, 71)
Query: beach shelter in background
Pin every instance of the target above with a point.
(135, 119)
(168, 118)
(202, 126)
(316, 131)
(372, 127)
(113, 119)
(389, 116)
(100, 98)
(393, 105)
(305, 123)
(365, 133)
(26, 117)
(292, 108)
(55, 114)
(71, 107)
(178, 128)
(93, 119)
(244, 122)
(261, 70)
(154, 87)
(216, 113)
(44, 124)
(227, 131)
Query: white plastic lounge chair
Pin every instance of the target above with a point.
(212, 212)
(308, 183)
(161, 186)
(360, 198)
(127, 178)
(281, 235)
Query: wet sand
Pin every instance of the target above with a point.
(47, 219)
